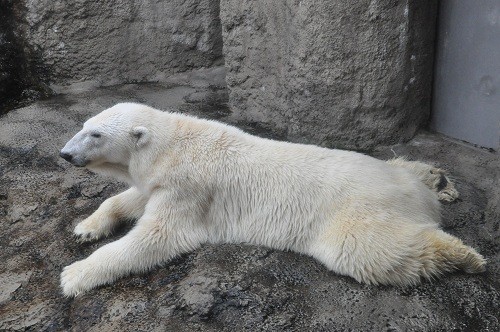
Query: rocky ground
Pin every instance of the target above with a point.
(218, 287)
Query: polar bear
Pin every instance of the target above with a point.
(196, 181)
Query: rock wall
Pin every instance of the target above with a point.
(20, 75)
(349, 74)
(86, 43)
(111, 42)
(346, 74)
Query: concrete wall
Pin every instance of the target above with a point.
(466, 102)
(351, 74)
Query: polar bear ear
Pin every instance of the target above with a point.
(141, 135)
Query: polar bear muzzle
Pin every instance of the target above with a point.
(75, 161)
(80, 148)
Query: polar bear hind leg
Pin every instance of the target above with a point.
(436, 179)
(448, 253)
(393, 253)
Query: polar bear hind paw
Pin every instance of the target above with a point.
(436, 179)
(444, 186)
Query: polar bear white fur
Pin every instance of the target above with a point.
(195, 181)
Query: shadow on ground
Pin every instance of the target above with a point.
(218, 287)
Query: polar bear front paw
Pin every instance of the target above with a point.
(74, 280)
(89, 230)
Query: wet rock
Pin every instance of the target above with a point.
(11, 282)
(18, 212)
(197, 294)
(93, 191)
(119, 309)
(26, 318)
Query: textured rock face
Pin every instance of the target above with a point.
(48, 45)
(19, 78)
(351, 74)
(109, 42)
(337, 73)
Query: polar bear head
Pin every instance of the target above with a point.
(109, 138)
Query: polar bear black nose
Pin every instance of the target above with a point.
(66, 156)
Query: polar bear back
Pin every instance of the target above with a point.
(285, 194)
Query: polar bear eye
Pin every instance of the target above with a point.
(96, 135)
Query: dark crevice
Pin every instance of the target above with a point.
(21, 74)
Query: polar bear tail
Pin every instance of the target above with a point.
(446, 253)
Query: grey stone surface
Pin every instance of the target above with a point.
(110, 42)
(217, 287)
(10, 283)
(58, 46)
(350, 74)
(20, 77)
